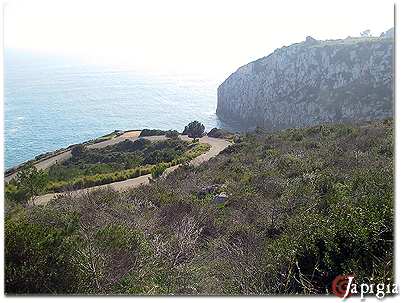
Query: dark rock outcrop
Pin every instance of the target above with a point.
(220, 199)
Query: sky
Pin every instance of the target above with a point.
(183, 35)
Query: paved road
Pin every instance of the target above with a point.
(217, 145)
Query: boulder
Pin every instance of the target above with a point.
(217, 133)
(220, 198)
(211, 189)
(236, 138)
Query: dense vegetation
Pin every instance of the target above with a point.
(152, 132)
(50, 154)
(124, 155)
(302, 206)
(30, 182)
(128, 159)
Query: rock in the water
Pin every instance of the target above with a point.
(311, 83)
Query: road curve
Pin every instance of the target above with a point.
(217, 145)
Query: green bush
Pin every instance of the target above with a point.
(29, 183)
(38, 256)
(77, 150)
(172, 134)
(194, 130)
(152, 132)
(158, 170)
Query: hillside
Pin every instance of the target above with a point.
(313, 82)
(274, 213)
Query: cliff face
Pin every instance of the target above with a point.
(312, 82)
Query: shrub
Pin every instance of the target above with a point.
(172, 134)
(131, 146)
(38, 255)
(194, 130)
(152, 132)
(158, 170)
(78, 150)
(29, 183)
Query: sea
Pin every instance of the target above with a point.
(51, 102)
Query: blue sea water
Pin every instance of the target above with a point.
(52, 102)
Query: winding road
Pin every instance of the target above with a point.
(217, 145)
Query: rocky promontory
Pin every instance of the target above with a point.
(313, 82)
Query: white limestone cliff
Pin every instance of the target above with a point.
(313, 82)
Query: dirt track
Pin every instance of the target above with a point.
(217, 145)
(46, 163)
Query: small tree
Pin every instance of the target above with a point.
(77, 150)
(31, 182)
(194, 129)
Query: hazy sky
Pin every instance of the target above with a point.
(186, 35)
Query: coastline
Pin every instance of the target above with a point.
(50, 158)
